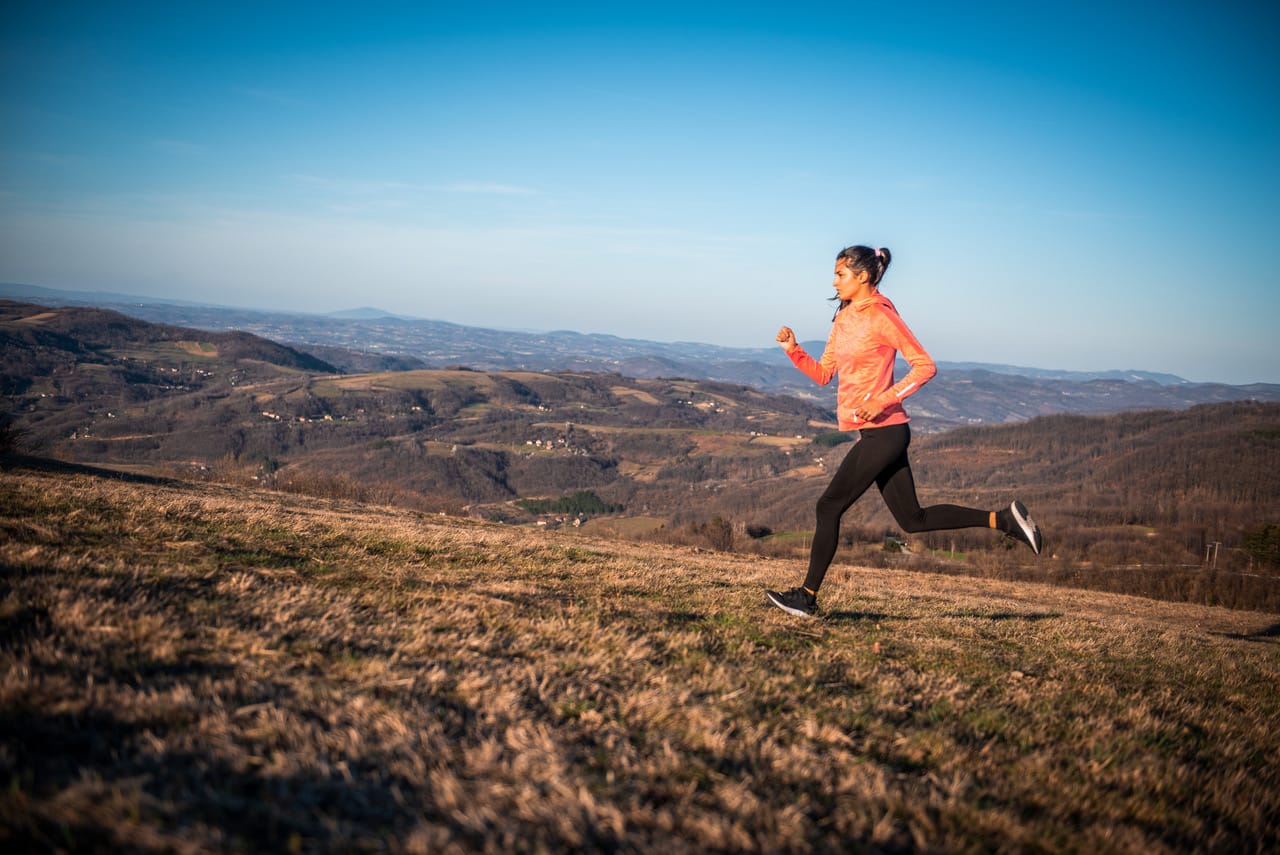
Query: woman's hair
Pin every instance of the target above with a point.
(874, 261)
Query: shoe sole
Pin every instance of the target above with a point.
(1030, 530)
(791, 610)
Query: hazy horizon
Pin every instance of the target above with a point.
(814, 343)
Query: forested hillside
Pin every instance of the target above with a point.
(39, 342)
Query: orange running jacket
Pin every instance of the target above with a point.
(864, 338)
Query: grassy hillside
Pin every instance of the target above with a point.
(207, 668)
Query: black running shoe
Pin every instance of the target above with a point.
(1024, 528)
(796, 601)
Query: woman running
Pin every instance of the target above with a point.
(865, 336)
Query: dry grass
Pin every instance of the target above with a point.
(197, 668)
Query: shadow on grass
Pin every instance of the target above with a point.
(26, 622)
(346, 801)
(1029, 617)
(856, 617)
(48, 464)
(536, 600)
(252, 808)
(1270, 635)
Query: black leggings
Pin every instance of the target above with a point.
(879, 457)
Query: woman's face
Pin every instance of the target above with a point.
(851, 284)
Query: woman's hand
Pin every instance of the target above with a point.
(787, 339)
(868, 410)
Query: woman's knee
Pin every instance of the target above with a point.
(911, 525)
(829, 509)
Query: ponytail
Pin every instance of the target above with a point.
(882, 259)
(874, 261)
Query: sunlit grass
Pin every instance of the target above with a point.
(202, 668)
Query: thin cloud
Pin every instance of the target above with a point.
(354, 187)
(359, 187)
(488, 188)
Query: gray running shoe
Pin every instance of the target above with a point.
(1024, 528)
(796, 601)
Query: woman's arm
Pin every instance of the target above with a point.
(897, 334)
(820, 371)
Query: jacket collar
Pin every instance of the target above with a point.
(876, 299)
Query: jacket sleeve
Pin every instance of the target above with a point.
(821, 370)
(896, 333)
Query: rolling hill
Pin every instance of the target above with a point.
(962, 394)
(1134, 502)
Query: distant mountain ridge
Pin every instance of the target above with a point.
(1129, 375)
(363, 313)
(368, 339)
(521, 342)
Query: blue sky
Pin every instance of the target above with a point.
(1083, 186)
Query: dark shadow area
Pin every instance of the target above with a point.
(856, 617)
(9, 571)
(110, 663)
(535, 600)
(61, 467)
(1030, 617)
(1270, 635)
(178, 590)
(355, 807)
(157, 675)
(189, 790)
(26, 622)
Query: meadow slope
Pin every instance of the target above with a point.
(203, 668)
